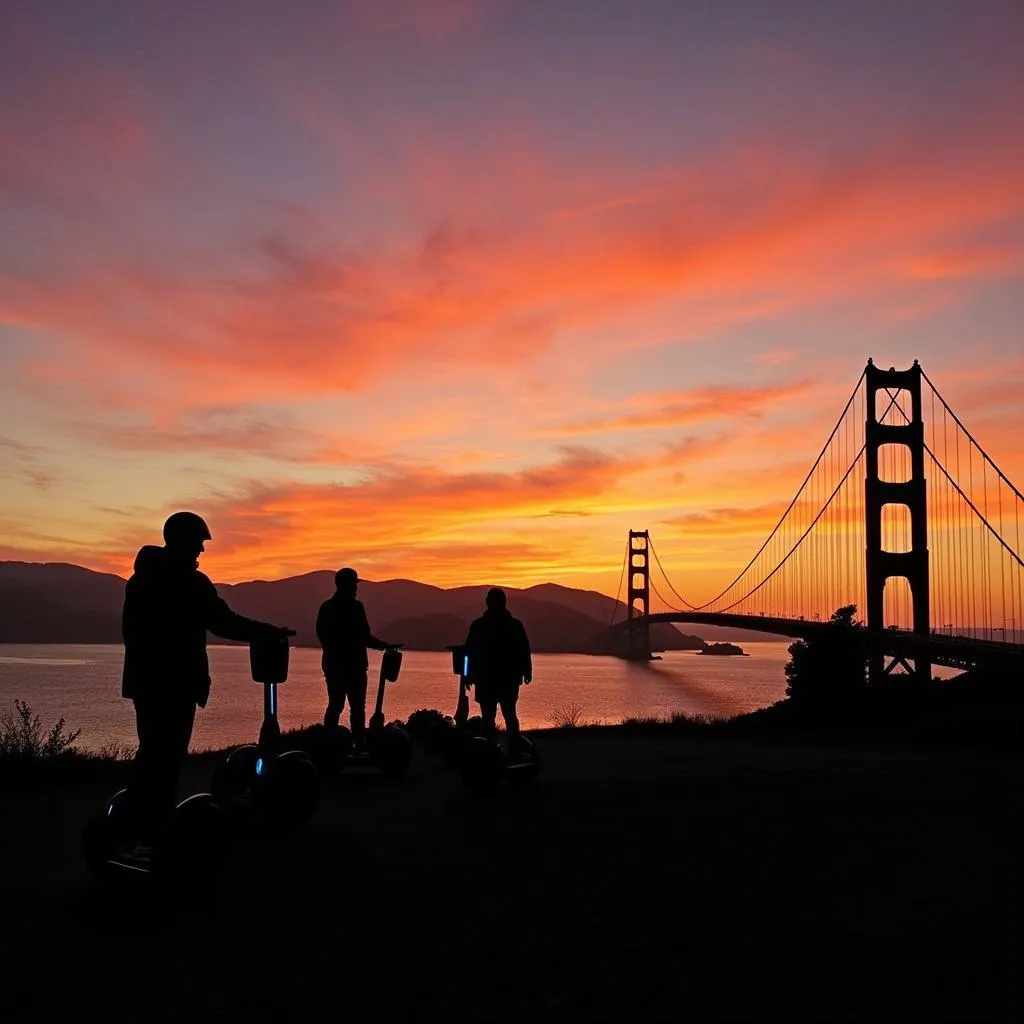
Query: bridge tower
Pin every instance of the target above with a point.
(883, 565)
(638, 596)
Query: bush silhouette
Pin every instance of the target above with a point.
(22, 737)
(827, 672)
(423, 723)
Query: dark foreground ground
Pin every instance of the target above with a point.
(644, 878)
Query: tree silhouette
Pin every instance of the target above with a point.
(828, 671)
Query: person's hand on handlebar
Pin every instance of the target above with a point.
(277, 632)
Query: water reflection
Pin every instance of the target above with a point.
(83, 686)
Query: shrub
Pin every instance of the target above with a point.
(422, 722)
(568, 716)
(22, 737)
(827, 672)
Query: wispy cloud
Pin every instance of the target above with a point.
(684, 408)
(26, 462)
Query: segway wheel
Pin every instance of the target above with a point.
(474, 726)
(523, 764)
(290, 793)
(192, 847)
(102, 832)
(444, 740)
(237, 774)
(328, 747)
(482, 764)
(391, 750)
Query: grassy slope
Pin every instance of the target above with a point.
(656, 875)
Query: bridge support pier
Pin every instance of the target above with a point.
(639, 597)
(883, 565)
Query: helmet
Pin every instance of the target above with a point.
(185, 528)
(345, 579)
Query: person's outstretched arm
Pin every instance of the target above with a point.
(220, 620)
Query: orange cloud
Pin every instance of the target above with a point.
(728, 522)
(682, 408)
(407, 514)
(965, 263)
(308, 317)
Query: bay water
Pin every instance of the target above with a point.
(82, 683)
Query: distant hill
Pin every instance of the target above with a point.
(54, 602)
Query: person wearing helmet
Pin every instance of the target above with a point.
(499, 661)
(344, 634)
(169, 605)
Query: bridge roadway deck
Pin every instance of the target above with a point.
(938, 648)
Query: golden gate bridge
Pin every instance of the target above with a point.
(903, 514)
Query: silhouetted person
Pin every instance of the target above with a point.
(499, 660)
(168, 607)
(344, 634)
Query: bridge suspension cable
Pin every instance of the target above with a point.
(970, 437)
(803, 536)
(800, 490)
(618, 589)
(823, 524)
(668, 604)
(975, 537)
(831, 558)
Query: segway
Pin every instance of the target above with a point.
(188, 850)
(388, 747)
(485, 766)
(447, 735)
(262, 789)
(482, 761)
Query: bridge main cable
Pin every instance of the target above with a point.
(956, 486)
(796, 497)
(691, 607)
(956, 419)
(811, 525)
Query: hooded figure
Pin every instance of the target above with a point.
(499, 661)
(169, 606)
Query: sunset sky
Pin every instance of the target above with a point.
(460, 291)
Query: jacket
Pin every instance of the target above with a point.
(168, 609)
(344, 634)
(498, 649)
